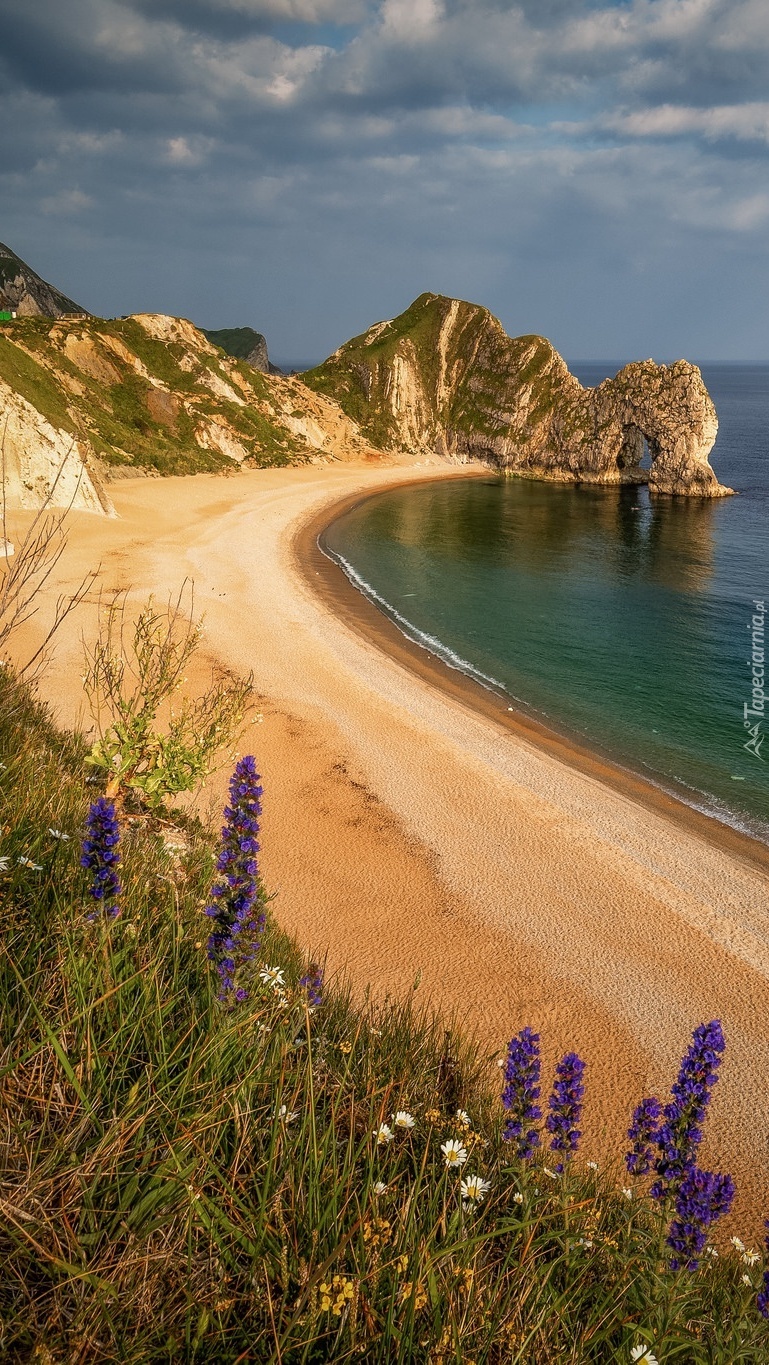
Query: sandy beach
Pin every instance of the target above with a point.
(414, 828)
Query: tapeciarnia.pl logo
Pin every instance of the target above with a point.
(754, 711)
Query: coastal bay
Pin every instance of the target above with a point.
(410, 833)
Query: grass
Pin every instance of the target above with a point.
(160, 1204)
(116, 417)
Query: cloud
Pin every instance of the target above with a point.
(746, 122)
(66, 202)
(333, 156)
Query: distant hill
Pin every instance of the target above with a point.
(243, 343)
(24, 292)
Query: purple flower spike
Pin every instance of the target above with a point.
(762, 1298)
(312, 983)
(565, 1106)
(643, 1134)
(680, 1132)
(101, 856)
(236, 905)
(702, 1198)
(521, 1090)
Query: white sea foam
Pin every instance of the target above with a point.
(704, 802)
(420, 637)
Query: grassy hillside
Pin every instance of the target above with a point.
(185, 1181)
(144, 401)
(468, 372)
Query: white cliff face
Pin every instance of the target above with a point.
(44, 464)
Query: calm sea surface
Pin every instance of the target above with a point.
(616, 618)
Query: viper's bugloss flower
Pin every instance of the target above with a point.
(643, 1135)
(701, 1199)
(762, 1298)
(565, 1105)
(236, 903)
(101, 856)
(680, 1133)
(521, 1091)
(312, 984)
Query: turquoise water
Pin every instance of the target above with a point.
(619, 619)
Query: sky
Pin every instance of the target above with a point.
(591, 170)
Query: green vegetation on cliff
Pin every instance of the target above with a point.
(239, 342)
(163, 404)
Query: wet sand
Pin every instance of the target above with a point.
(414, 826)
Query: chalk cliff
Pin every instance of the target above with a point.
(100, 399)
(445, 377)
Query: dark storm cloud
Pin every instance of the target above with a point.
(311, 163)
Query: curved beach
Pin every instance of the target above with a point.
(415, 829)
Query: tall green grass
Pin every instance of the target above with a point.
(183, 1183)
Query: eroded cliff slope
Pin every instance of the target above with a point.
(96, 399)
(444, 376)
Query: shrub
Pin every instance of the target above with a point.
(133, 671)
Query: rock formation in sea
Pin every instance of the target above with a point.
(23, 292)
(445, 377)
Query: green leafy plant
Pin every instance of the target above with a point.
(148, 744)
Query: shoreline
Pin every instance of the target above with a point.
(328, 580)
(409, 837)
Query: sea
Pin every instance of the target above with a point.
(623, 621)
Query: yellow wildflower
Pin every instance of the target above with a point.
(336, 1295)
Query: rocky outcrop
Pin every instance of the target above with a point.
(44, 464)
(24, 292)
(445, 377)
(243, 343)
(84, 400)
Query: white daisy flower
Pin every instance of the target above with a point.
(454, 1153)
(711, 1251)
(57, 834)
(747, 1280)
(5, 863)
(553, 1175)
(627, 1192)
(463, 1117)
(644, 1354)
(272, 976)
(592, 1165)
(737, 1244)
(403, 1119)
(750, 1257)
(287, 1115)
(380, 1187)
(517, 1197)
(27, 862)
(383, 1134)
(474, 1189)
